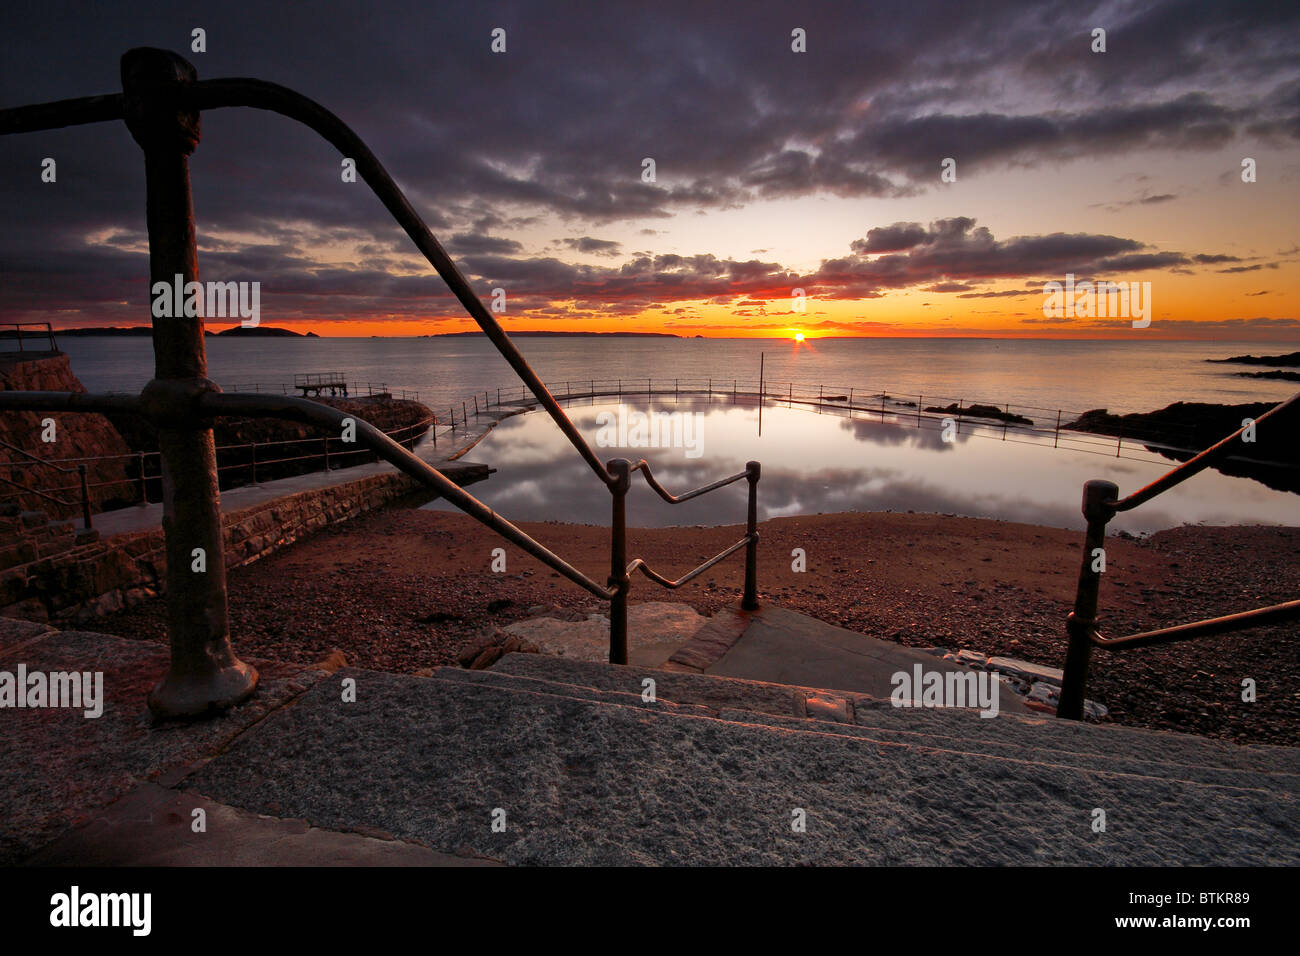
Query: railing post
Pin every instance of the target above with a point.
(1098, 509)
(85, 496)
(621, 470)
(1057, 439)
(205, 674)
(254, 481)
(750, 601)
(144, 488)
(327, 453)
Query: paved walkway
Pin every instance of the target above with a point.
(446, 458)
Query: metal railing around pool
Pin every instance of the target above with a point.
(16, 332)
(161, 103)
(984, 418)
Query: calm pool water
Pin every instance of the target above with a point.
(826, 462)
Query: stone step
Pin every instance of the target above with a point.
(579, 781)
(1066, 736)
(894, 725)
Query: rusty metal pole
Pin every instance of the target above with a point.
(750, 601)
(1098, 508)
(205, 675)
(621, 470)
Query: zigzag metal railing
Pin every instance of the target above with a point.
(1101, 502)
(161, 102)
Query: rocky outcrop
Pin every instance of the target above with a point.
(982, 411)
(1291, 359)
(75, 437)
(1190, 427)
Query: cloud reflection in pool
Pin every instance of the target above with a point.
(824, 462)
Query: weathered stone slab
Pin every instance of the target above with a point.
(588, 782)
(654, 631)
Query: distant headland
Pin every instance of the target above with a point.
(543, 333)
(261, 331)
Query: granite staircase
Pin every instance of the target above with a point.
(543, 760)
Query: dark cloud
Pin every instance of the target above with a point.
(468, 243)
(555, 131)
(1254, 268)
(957, 251)
(597, 247)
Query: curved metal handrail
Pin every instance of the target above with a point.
(1258, 617)
(1100, 504)
(314, 413)
(260, 94)
(162, 91)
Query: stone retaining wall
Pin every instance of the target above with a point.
(50, 571)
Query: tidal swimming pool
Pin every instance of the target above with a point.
(824, 461)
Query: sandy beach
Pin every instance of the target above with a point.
(402, 590)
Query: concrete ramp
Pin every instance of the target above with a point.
(780, 646)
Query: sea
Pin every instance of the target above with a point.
(813, 461)
(1129, 375)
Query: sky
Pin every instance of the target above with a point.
(776, 169)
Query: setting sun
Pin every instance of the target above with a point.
(798, 336)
